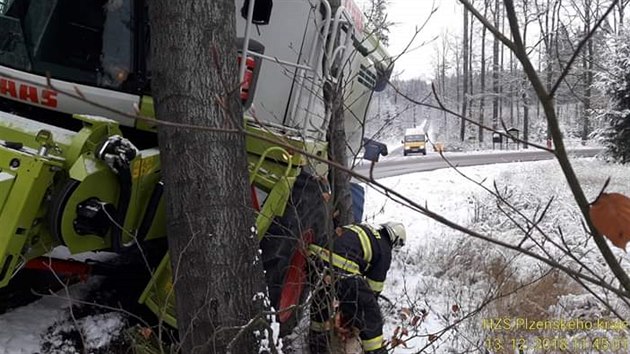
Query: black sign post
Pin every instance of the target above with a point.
(497, 138)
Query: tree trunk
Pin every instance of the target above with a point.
(339, 180)
(525, 119)
(511, 89)
(501, 69)
(495, 70)
(462, 130)
(471, 81)
(337, 148)
(444, 90)
(525, 85)
(588, 73)
(551, 45)
(458, 76)
(210, 225)
(621, 7)
(482, 90)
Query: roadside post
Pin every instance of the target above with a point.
(514, 136)
(497, 138)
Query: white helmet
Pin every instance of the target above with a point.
(396, 232)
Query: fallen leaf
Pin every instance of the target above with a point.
(145, 332)
(610, 214)
(455, 308)
(405, 313)
(415, 320)
(432, 338)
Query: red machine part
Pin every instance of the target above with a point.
(295, 278)
(61, 267)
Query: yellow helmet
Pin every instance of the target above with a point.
(396, 232)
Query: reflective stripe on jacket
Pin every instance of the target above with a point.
(360, 250)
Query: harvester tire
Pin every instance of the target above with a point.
(306, 211)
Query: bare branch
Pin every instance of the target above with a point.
(495, 31)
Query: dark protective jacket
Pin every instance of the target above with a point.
(373, 149)
(364, 255)
(360, 250)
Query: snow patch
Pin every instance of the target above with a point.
(100, 329)
(22, 329)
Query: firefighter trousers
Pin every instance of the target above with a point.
(359, 308)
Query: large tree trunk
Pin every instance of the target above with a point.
(213, 245)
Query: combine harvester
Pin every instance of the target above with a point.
(74, 167)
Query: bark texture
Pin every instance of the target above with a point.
(214, 250)
(339, 180)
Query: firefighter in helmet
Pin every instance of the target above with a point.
(351, 268)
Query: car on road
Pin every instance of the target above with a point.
(415, 141)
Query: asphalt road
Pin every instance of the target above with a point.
(399, 165)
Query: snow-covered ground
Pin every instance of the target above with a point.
(49, 326)
(439, 282)
(444, 278)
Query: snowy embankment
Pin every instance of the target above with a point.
(445, 281)
(442, 277)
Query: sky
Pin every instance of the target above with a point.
(423, 275)
(407, 15)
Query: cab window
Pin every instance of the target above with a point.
(82, 41)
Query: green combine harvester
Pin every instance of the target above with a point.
(76, 170)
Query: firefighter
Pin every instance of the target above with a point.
(352, 269)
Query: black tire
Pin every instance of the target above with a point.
(424, 152)
(306, 210)
(405, 153)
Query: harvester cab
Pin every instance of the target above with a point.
(79, 163)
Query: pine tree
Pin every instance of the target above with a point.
(614, 80)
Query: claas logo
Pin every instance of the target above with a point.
(28, 93)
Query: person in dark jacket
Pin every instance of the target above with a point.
(352, 269)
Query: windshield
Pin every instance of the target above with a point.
(416, 137)
(83, 41)
(4, 4)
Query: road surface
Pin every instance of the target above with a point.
(395, 166)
